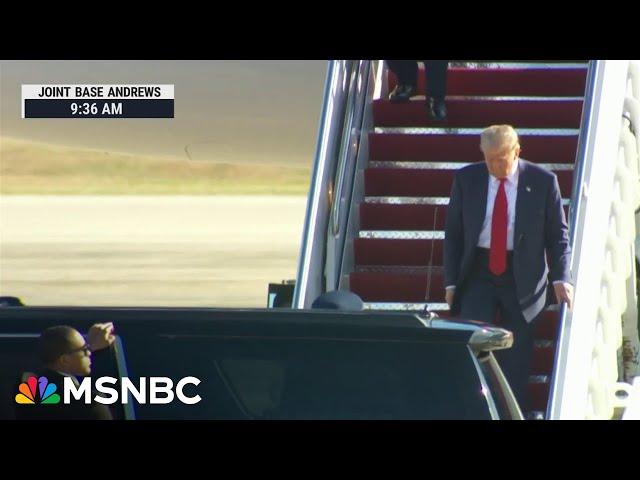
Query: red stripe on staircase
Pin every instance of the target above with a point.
(382, 216)
(538, 396)
(376, 251)
(546, 326)
(569, 82)
(481, 113)
(465, 148)
(422, 183)
(396, 287)
(542, 362)
(376, 216)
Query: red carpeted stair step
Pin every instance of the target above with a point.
(561, 82)
(543, 356)
(546, 327)
(480, 113)
(426, 182)
(379, 251)
(384, 216)
(465, 148)
(538, 396)
(380, 216)
(396, 287)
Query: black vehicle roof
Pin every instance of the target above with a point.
(290, 323)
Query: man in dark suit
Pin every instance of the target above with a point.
(503, 214)
(65, 353)
(436, 75)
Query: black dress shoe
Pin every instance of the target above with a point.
(437, 109)
(402, 93)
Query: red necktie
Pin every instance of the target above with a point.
(498, 252)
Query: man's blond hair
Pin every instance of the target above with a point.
(498, 135)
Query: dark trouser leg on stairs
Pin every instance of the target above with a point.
(436, 73)
(516, 361)
(405, 70)
(483, 294)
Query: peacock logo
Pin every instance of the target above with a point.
(27, 395)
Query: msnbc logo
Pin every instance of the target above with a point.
(47, 390)
(152, 390)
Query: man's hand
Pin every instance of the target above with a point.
(100, 336)
(450, 293)
(564, 293)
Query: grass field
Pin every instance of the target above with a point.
(29, 168)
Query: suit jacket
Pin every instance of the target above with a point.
(540, 225)
(76, 410)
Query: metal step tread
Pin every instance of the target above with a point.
(402, 306)
(556, 132)
(403, 234)
(402, 269)
(491, 98)
(387, 200)
(452, 165)
(433, 307)
(520, 66)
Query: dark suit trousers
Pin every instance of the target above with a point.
(481, 297)
(435, 70)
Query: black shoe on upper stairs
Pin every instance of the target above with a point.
(437, 109)
(402, 93)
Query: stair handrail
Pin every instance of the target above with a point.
(585, 370)
(574, 208)
(321, 198)
(345, 151)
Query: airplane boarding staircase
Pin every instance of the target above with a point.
(380, 233)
